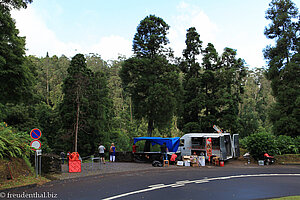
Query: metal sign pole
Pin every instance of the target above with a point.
(35, 145)
(36, 168)
(40, 165)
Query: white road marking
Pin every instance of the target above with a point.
(156, 186)
(183, 183)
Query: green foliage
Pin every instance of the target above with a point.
(16, 4)
(297, 143)
(191, 82)
(149, 78)
(154, 89)
(21, 116)
(86, 108)
(212, 91)
(286, 145)
(260, 143)
(256, 102)
(284, 71)
(12, 143)
(151, 37)
(50, 73)
(128, 98)
(15, 76)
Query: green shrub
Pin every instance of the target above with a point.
(260, 143)
(243, 142)
(286, 145)
(12, 143)
(297, 144)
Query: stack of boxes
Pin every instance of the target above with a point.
(194, 161)
(187, 161)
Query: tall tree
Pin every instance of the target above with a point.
(14, 76)
(75, 103)
(231, 87)
(256, 102)
(151, 37)
(191, 82)
(152, 82)
(16, 4)
(284, 65)
(210, 87)
(51, 71)
(100, 114)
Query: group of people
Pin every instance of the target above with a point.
(112, 153)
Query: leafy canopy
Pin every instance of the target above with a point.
(149, 78)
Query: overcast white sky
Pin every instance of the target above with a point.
(107, 27)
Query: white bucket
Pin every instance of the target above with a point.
(202, 160)
(261, 162)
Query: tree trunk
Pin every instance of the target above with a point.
(150, 127)
(76, 127)
(130, 104)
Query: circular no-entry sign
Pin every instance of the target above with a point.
(35, 145)
(35, 134)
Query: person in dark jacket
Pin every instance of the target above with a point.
(164, 149)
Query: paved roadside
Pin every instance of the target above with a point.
(98, 169)
(89, 169)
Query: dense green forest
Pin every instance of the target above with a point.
(81, 101)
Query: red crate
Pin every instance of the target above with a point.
(74, 166)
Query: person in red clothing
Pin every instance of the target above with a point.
(173, 158)
(133, 148)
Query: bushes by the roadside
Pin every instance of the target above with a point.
(259, 143)
(286, 145)
(297, 143)
(12, 143)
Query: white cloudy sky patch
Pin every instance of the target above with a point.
(107, 28)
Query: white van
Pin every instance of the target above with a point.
(223, 145)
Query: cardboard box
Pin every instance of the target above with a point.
(194, 164)
(194, 159)
(179, 163)
(186, 158)
(187, 163)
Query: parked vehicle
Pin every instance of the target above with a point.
(268, 160)
(223, 145)
(149, 156)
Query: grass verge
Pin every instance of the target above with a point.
(288, 198)
(23, 181)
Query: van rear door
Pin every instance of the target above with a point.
(236, 145)
(223, 148)
(185, 146)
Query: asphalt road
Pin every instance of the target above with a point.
(178, 183)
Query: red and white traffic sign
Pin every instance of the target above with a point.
(35, 133)
(35, 145)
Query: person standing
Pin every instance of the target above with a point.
(133, 148)
(101, 153)
(112, 153)
(62, 155)
(163, 149)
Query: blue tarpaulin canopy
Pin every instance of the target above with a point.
(171, 143)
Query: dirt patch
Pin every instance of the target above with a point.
(288, 158)
(13, 168)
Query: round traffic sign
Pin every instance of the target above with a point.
(35, 145)
(35, 134)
